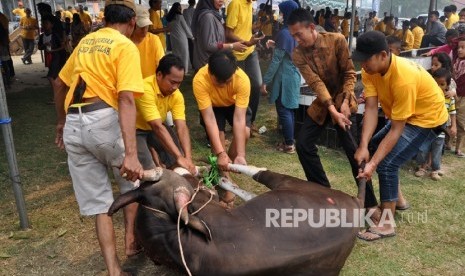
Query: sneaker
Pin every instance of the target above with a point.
(420, 172)
(440, 172)
(435, 176)
(23, 60)
(286, 148)
(459, 154)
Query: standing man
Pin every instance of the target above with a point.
(28, 25)
(161, 96)
(239, 28)
(414, 104)
(96, 123)
(324, 62)
(188, 15)
(222, 91)
(436, 35)
(157, 27)
(19, 12)
(85, 18)
(149, 45)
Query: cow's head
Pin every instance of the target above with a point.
(166, 191)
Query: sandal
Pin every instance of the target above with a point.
(373, 235)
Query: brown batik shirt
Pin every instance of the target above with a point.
(328, 70)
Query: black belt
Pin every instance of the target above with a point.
(88, 107)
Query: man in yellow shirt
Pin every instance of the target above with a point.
(406, 36)
(451, 18)
(161, 96)
(345, 24)
(222, 91)
(414, 104)
(85, 18)
(417, 32)
(19, 12)
(29, 27)
(155, 16)
(239, 27)
(149, 45)
(96, 88)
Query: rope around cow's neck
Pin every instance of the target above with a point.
(179, 222)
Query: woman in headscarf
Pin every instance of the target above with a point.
(208, 30)
(179, 33)
(286, 80)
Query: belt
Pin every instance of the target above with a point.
(88, 107)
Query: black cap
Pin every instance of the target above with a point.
(368, 44)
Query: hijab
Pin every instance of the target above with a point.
(284, 40)
(203, 7)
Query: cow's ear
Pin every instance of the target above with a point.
(199, 225)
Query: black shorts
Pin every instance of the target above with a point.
(226, 113)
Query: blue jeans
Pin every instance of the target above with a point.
(436, 154)
(411, 141)
(286, 119)
(251, 67)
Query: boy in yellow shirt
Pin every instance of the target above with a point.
(29, 29)
(413, 103)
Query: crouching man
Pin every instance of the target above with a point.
(161, 94)
(222, 91)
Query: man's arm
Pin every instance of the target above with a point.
(213, 132)
(240, 134)
(59, 98)
(160, 131)
(185, 140)
(127, 119)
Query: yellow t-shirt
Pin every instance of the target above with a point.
(151, 51)
(68, 14)
(155, 17)
(357, 24)
(237, 92)
(108, 62)
(28, 22)
(153, 105)
(345, 28)
(453, 18)
(100, 16)
(239, 19)
(86, 20)
(19, 12)
(380, 27)
(408, 40)
(407, 92)
(417, 37)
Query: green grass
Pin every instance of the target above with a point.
(61, 242)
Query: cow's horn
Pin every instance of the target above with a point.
(153, 174)
(181, 197)
(123, 200)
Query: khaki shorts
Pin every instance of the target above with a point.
(94, 145)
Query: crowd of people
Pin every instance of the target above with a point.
(116, 85)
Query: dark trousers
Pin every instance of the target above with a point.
(427, 40)
(251, 67)
(190, 44)
(28, 45)
(310, 160)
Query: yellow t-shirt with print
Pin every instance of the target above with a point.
(417, 37)
(28, 22)
(155, 17)
(19, 12)
(108, 62)
(380, 27)
(237, 92)
(453, 18)
(239, 19)
(407, 92)
(154, 105)
(151, 51)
